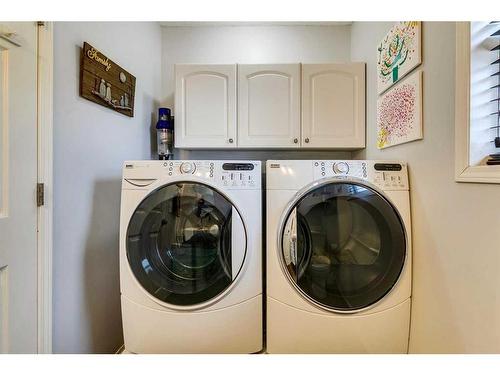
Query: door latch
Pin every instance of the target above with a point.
(40, 194)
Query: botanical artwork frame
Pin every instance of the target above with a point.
(399, 52)
(399, 112)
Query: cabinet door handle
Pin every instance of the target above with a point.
(230, 140)
(295, 140)
(306, 140)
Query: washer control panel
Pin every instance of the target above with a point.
(227, 174)
(330, 168)
(387, 175)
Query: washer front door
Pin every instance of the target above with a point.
(186, 243)
(343, 245)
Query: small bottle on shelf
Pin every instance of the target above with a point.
(164, 134)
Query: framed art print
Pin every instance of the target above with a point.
(398, 53)
(399, 112)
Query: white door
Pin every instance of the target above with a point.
(333, 105)
(269, 106)
(18, 177)
(205, 106)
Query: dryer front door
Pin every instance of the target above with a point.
(186, 243)
(343, 245)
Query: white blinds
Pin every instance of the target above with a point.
(485, 93)
(495, 50)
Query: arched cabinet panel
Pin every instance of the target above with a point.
(269, 105)
(333, 105)
(205, 106)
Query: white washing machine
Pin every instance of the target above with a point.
(338, 256)
(191, 256)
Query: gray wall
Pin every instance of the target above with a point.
(251, 45)
(456, 251)
(90, 144)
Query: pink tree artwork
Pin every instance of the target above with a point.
(399, 113)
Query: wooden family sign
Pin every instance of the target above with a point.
(105, 82)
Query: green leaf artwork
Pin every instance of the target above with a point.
(398, 53)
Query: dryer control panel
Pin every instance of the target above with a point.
(226, 174)
(388, 175)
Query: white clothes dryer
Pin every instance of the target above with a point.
(190, 256)
(338, 256)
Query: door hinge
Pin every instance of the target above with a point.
(40, 194)
(40, 23)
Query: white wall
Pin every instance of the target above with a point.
(456, 236)
(251, 45)
(90, 144)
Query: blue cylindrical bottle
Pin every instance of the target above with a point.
(165, 134)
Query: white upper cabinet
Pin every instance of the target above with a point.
(333, 105)
(269, 106)
(205, 106)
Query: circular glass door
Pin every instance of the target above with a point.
(179, 243)
(343, 245)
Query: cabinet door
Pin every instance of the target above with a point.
(333, 105)
(205, 106)
(269, 106)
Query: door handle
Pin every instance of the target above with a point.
(293, 248)
(238, 244)
(289, 246)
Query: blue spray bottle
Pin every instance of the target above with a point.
(165, 134)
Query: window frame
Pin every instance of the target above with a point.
(464, 171)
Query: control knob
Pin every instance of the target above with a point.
(341, 167)
(186, 167)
